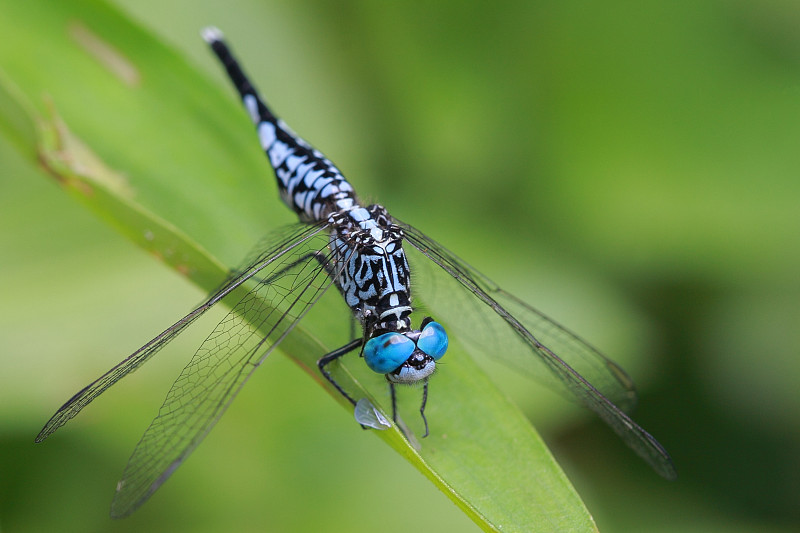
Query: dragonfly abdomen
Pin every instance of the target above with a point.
(309, 183)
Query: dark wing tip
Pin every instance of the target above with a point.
(70, 408)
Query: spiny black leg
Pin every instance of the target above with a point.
(332, 356)
(422, 407)
(394, 402)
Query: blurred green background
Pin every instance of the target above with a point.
(630, 169)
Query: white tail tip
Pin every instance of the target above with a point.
(211, 34)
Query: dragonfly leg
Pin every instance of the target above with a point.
(332, 356)
(393, 393)
(422, 406)
(394, 401)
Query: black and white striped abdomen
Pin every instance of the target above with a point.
(372, 270)
(309, 183)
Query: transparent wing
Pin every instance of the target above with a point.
(507, 328)
(285, 242)
(284, 291)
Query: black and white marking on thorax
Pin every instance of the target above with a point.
(375, 279)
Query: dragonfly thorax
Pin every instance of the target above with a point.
(371, 268)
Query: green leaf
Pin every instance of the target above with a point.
(134, 132)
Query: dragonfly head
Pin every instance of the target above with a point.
(407, 357)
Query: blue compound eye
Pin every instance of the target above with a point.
(433, 340)
(386, 352)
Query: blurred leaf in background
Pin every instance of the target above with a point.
(632, 171)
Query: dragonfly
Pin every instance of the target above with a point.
(359, 251)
